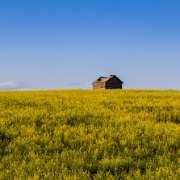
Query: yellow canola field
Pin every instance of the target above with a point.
(84, 134)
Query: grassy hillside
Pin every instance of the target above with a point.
(77, 134)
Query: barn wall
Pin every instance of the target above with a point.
(99, 85)
(113, 83)
(113, 86)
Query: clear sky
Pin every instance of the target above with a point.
(52, 44)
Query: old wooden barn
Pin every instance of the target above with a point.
(110, 82)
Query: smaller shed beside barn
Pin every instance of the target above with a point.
(110, 82)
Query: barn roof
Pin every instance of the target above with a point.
(105, 79)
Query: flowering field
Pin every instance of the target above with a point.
(76, 134)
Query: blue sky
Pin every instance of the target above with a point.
(52, 44)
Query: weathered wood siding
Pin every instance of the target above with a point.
(113, 83)
(99, 85)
